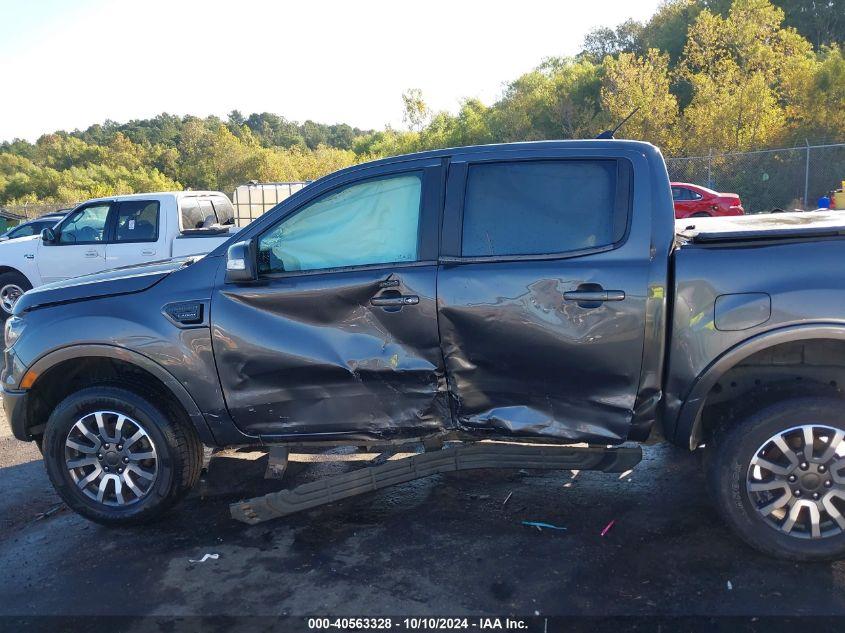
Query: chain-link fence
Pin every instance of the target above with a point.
(766, 180)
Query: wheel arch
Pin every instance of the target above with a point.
(65, 356)
(12, 269)
(689, 423)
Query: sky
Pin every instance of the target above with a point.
(69, 64)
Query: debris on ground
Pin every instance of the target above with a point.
(540, 525)
(205, 558)
(49, 513)
(730, 586)
(507, 498)
(608, 527)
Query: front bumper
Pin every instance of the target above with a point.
(15, 405)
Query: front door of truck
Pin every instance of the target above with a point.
(80, 246)
(338, 337)
(542, 294)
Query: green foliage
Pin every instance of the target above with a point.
(642, 84)
(706, 74)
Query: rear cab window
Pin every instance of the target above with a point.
(198, 214)
(543, 207)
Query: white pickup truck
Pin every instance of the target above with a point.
(112, 232)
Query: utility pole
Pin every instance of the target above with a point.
(710, 168)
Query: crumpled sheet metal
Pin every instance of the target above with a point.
(312, 356)
(522, 361)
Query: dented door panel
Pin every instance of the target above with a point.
(523, 360)
(310, 355)
(523, 355)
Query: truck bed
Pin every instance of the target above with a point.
(762, 226)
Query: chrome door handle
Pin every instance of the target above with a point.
(91, 254)
(401, 300)
(149, 251)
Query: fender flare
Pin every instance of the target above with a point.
(51, 359)
(688, 424)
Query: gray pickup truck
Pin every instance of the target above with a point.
(507, 306)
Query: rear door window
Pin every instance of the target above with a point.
(137, 221)
(542, 207)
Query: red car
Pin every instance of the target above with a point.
(693, 201)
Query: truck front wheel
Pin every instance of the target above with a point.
(116, 458)
(12, 286)
(778, 477)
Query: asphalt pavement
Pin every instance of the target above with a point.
(448, 544)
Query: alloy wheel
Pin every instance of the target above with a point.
(9, 295)
(111, 458)
(796, 481)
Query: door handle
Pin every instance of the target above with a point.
(593, 295)
(149, 251)
(91, 254)
(395, 301)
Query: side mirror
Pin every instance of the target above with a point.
(48, 236)
(241, 262)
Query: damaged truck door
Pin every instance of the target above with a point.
(542, 293)
(337, 335)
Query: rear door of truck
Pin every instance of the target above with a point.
(138, 232)
(542, 291)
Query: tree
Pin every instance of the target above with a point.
(604, 41)
(822, 22)
(742, 68)
(667, 28)
(818, 107)
(631, 83)
(416, 113)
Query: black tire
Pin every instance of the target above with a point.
(12, 278)
(178, 449)
(728, 457)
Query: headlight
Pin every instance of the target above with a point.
(12, 331)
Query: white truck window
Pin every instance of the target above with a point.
(85, 226)
(137, 221)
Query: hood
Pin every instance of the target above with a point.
(118, 281)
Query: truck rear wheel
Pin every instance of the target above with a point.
(778, 477)
(116, 458)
